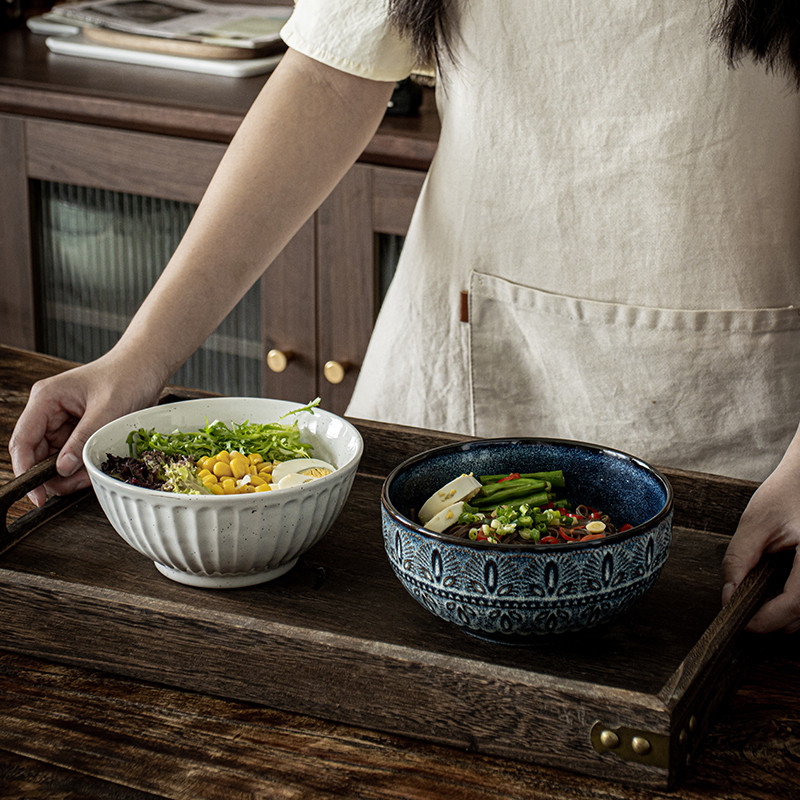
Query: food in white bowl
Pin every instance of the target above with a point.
(228, 540)
(220, 457)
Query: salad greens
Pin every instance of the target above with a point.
(273, 440)
(156, 470)
(167, 461)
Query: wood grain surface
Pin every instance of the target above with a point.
(78, 731)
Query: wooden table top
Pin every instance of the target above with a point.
(70, 731)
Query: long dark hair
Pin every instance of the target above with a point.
(430, 26)
(767, 31)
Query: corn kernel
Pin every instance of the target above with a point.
(238, 466)
(217, 488)
(265, 487)
(222, 470)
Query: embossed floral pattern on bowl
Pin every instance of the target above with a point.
(517, 593)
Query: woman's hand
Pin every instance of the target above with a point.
(65, 410)
(769, 524)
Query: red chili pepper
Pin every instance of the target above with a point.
(590, 536)
(510, 477)
(565, 535)
(625, 527)
(548, 540)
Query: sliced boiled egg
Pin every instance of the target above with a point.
(462, 488)
(291, 479)
(298, 471)
(445, 518)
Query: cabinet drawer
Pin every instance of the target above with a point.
(122, 161)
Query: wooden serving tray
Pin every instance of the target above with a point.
(339, 638)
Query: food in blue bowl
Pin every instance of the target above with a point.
(579, 533)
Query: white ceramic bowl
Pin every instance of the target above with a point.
(226, 541)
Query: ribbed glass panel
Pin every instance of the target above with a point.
(98, 255)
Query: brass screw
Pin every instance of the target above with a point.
(609, 739)
(640, 745)
(692, 723)
(682, 737)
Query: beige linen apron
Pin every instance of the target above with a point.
(624, 211)
(648, 374)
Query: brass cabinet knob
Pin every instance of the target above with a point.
(278, 359)
(334, 372)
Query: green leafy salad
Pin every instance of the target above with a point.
(174, 462)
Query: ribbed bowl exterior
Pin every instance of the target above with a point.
(239, 536)
(232, 536)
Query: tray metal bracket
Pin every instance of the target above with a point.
(631, 744)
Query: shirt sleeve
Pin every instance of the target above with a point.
(354, 36)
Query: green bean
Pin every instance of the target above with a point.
(539, 498)
(556, 477)
(511, 487)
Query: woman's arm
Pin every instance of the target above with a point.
(304, 131)
(302, 134)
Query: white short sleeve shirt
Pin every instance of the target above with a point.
(354, 37)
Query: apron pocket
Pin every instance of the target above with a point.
(715, 391)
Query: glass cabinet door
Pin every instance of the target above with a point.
(97, 253)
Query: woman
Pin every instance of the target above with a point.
(607, 192)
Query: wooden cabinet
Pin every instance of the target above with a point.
(319, 299)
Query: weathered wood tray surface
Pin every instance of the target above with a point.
(339, 638)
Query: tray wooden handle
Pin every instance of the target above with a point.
(17, 488)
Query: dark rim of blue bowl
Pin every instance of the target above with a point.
(539, 548)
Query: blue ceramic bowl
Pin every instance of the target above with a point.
(518, 593)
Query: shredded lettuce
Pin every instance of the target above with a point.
(181, 477)
(156, 470)
(273, 441)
